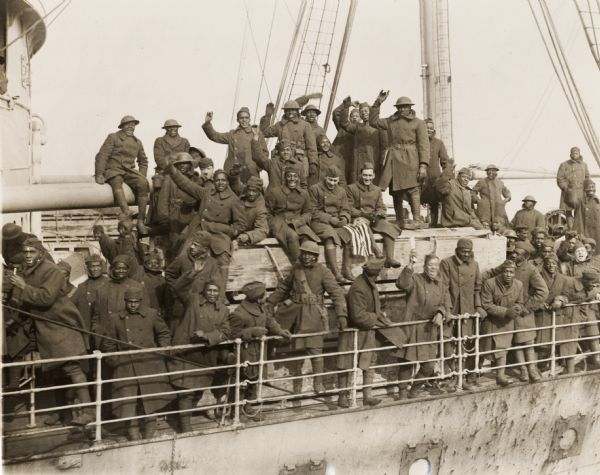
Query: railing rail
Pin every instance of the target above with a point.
(448, 366)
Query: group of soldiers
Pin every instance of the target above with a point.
(318, 192)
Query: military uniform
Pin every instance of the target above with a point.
(324, 161)
(457, 206)
(569, 178)
(531, 218)
(274, 166)
(438, 162)
(491, 203)
(256, 219)
(328, 204)
(165, 146)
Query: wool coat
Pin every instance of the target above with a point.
(324, 161)
(531, 218)
(457, 204)
(569, 178)
(85, 297)
(275, 166)
(438, 161)
(367, 202)
(491, 200)
(175, 206)
(587, 218)
(165, 146)
(257, 225)
(289, 209)
(343, 143)
(327, 205)
(298, 131)
(118, 155)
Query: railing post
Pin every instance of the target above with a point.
(32, 422)
(460, 353)
(98, 435)
(476, 369)
(442, 359)
(354, 366)
(260, 369)
(236, 409)
(553, 348)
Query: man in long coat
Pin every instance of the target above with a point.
(326, 158)
(493, 196)
(407, 159)
(169, 144)
(587, 212)
(438, 161)
(238, 142)
(463, 278)
(305, 286)
(569, 178)
(115, 165)
(457, 204)
(366, 201)
(40, 289)
(343, 144)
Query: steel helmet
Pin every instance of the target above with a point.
(182, 157)
(491, 166)
(291, 105)
(311, 107)
(127, 119)
(171, 123)
(529, 198)
(11, 231)
(404, 101)
(310, 246)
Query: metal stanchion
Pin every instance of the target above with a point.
(553, 348)
(236, 409)
(261, 362)
(354, 366)
(460, 354)
(98, 435)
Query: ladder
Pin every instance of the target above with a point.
(589, 14)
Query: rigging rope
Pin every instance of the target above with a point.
(264, 64)
(239, 74)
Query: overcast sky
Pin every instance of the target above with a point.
(178, 59)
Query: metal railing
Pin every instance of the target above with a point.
(449, 366)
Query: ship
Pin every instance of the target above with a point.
(548, 427)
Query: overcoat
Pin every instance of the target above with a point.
(298, 131)
(238, 143)
(457, 206)
(491, 204)
(127, 246)
(367, 202)
(304, 314)
(408, 147)
(275, 166)
(586, 313)
(425, 298)
(438, 161)
(148, 330)
(289, 208)
(220, 213)
(535, 293)
(175, 206)
(569, 178)
(165, 146)
(496, 299)
(85, 296)
(256, 219)
(587, 219)
(343, 144)
(118, 154)
(326, 160)
(45, 295)
(326, 205)
(531, 218)
(213, 320)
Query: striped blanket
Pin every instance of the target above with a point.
(360, 238)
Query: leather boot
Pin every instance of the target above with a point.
(388, 250)
(346, 269)
(501, 379)
(343, 399)
(133, 431)
(368, 399)
(415, 208)
(318, 367)
(331, 260)
(121, 201)
(293, 250)
(88, 414)
(398, 209)
(185, 418)
(434, 210)
(150, 428)
(534, 374)
(142, 202)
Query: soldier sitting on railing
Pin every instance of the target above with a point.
(249, 321)
(206, 320)
(590, 290)
(502, 299)
(428, 299)
(141, 326)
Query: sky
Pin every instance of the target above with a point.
(179, 59)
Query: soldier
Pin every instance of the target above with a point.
(428, 299)
(154, 282)
(528, 216)
(331, 212)
(13, 238)
(367, 141)
(85, 295)
(581, 262)
(249, 321)
(343, 144)
(290, 211)
(365, 314)
(207, 170)
(285, 154)
(587, 212)
(305, 286)
(439, 161)
(538, 239)
(326, 158)
(115, 164)
(40, 290)
(238, 142)
(463, 278)
(169, 144)
(366, 201)
(502, 299)
(457, 204)
(493, 197)
(256, 213)
(588, 289)
(206, 320)
(405, 165)
(141, 326)
(292, 128)
(310, 114)
(570, 179)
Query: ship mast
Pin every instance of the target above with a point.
(435, 68)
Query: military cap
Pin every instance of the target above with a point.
(590, 241)
(310, 246)
(64, 265)
(283, 143)
(538, 230)
(464, 171)
(127, 119)
(491, 166)
(464, 243)
(243, 109)
(510, 234)
(121, 259)
(332, 171)
(253, 290)
(529, 198)
(364, 104)
(291, 105)
(367, 166)
(11, 231)
(524, 246)
(171, 123)
(574, 149)
(199, 151)
(551, 257)
(134, 293)
(591, 276)
(202, 238)
(508, 264)
(311, 107)
(291, 168)
(374, 265)
(182, 157)
(205, 162)
(255, 183)
(93, 258)
(34, 243)
(404, 101)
